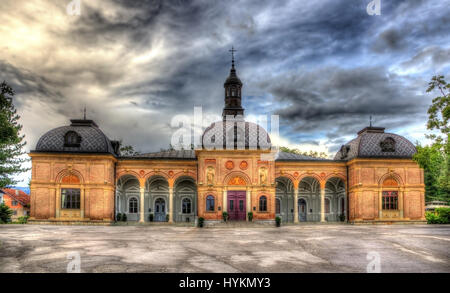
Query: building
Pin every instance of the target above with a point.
(79, 175)
(17, 200)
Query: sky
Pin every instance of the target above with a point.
(324, 66)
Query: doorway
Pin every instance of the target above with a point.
(160, 210)
(236, 205)
(302, 210)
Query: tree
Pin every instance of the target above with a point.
(299, 152)
(435, 158)
(127, 150)
(5, 213)
(11, 142)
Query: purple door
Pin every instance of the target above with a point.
(236, 205)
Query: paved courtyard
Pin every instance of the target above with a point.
(305, 248)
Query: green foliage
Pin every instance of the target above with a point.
(439, 111)
(435, 158)
(342, 217)
(278, 221)
(299, 152)
(225, 216)
(167, 218)
(124, 217)
(119, 217)
(250, 216)
(439, 216)
(11, 142)
(127, 150)
(5, 214)
(150, 217)
(22, 220)
(201, 222)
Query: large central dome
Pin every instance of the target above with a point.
(237, 134)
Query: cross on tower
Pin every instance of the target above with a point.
(232, 55)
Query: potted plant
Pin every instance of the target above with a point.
(167, 218)
(150, 217)
(118, 217)
(342, 217)
(225, 216)
(124, 217)
(278, 221)
(201, 222)
(250, 216)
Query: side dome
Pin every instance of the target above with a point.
(373, 142)
(236, 134)
(82, 136)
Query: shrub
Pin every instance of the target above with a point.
(22, 220)
(150, 217)
(225, 216)
(439, 216)
(5, 214)
(119, 217)
(278, 221)
(444, 214)
(201, 222)
(250, 216)
(342, 217)
(124, 217)
(167, 218)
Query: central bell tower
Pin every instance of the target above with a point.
(233, 87)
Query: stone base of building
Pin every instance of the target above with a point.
(85, 222)
(387, 222)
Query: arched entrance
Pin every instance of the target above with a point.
(309, 192)
(128, 197)
(285, 199)
(302, 210)
(160, 210)
(335, 200)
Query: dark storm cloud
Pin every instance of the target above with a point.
(324, 66)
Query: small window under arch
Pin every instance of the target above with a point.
(263, 204)
(210, 203)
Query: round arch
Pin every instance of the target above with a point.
(67, 172)
(285, 175)
(155, 173)
(125, 173)
(312, 175)
(242, 175)
(182, 174)
(390, 175)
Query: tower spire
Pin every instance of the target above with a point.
(232, 56)
(233, 86)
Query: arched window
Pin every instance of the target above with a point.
(263, 204)
(210, 203)
(70, 198)
(277, 206)
(133, 205)
(327, 205)
(186, 206)
(72, 139)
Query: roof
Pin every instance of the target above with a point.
(20, 196)
(190, 155)
(247, 135)
(373, 142)
(91, 139)
(284, 156)
(171, 155)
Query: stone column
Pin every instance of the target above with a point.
(170, 204)
(82, 203)
(248, 202)
(142, 205)
(295, 202)
(58, 202)
(380, 203)
(224, 200)
(401, 194)
(322, 201)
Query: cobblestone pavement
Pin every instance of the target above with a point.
(303, 248)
